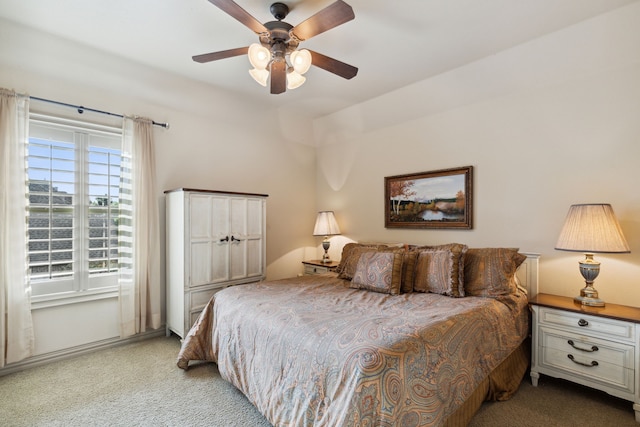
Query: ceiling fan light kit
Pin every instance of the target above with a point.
(301, 60)
(259, 56)
(276, 57)
(295, 80)
(261, 76)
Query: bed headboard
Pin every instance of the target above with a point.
(528, 273)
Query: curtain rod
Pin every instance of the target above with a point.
(82, 109)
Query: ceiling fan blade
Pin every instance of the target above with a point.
(278, 77)
(333, 65)
(233, 9)
(214, 56)
(330, 17)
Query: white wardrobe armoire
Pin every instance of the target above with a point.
(214, 239)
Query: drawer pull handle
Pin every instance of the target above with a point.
(582, 322)
(590, 350)
(588, 365)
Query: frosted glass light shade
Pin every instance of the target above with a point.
(261, 76)
(259, 56)
(301, 60)
(295, 80)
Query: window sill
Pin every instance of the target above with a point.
(46, 301)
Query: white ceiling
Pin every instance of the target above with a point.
(393, 43)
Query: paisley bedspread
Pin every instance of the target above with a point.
(310, 351)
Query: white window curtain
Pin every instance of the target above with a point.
(139, 242)
(16, 326)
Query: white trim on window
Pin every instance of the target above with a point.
(74, 173)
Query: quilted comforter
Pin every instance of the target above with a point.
(310, 351)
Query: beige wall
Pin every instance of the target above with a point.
(216, 141)
(547, 124)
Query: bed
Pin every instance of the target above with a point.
(411, 336)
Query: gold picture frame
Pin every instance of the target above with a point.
(440, 199)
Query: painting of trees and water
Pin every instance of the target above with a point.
(438, 199)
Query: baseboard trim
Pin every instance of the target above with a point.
(72, 352)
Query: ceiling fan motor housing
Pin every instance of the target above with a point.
(278, 34)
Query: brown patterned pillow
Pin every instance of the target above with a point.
(440, 269)
(378, 272)
(488, 272)
(350, 256)
(408, 271)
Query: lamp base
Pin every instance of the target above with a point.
(590, 302)
(325, 245)
(589, 268)
(589, 297)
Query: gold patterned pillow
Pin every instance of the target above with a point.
(350, 255)
(440, 269)
(488, 272)
(378, 272)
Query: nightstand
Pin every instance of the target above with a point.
(319, 267)
(594, 346)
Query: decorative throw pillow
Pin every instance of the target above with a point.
(488, 272)
(408, 271)
(350, 256)
(440, 269)
(378, 272)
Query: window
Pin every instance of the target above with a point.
(73, 183)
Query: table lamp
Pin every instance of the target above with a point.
(326, 226)
(591, 228)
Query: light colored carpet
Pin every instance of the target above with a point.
(139, 385)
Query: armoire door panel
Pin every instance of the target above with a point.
(254, 257)
(219, 262)
(200, 212)
(219, 217)
(237, 264)
(238, 217)
(254, 217)
(200, 270)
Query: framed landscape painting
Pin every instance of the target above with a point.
(437, 199)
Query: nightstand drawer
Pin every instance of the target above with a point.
(586, 324)
(313, 269)
(319, 267)
(611, 364)
(586, 349)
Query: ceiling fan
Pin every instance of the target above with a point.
(277, 56)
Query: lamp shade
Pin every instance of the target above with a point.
(592, 228)
(326, 224)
